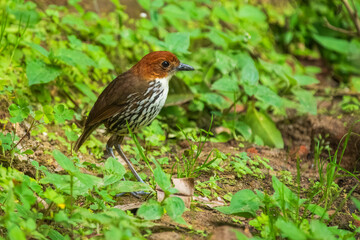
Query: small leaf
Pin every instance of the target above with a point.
(174, 207)
(244, 203)
(317, 210)
(74, 58)
(150, 211)
(215, 100)
(38, 72)
(262, 125)
(62, 113)
(38, 48)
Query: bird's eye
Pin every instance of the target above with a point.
(165, 64)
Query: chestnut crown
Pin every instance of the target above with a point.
(160, 64)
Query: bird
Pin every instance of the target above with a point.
(133, 99)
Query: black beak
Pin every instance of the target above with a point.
(184, 67)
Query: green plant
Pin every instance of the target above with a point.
(188, 166)
(283, 214)
(243, 165)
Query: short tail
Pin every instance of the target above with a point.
(86, 133)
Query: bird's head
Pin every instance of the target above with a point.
(160, 64)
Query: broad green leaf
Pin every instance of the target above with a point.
(262, 125)
(55, 235)
(74, 58)
(244, 203)
(224, 62)
(150, 211)
(162, 179)
(321, 212)
(130, 186)
(243, 129)
(112, 165)
(355, 83)
(175, 207)
(38, 72)
(303, 80)
(319, 230)
(284, 195)
(268, 96)
(249, 73)
(64, 161)
(290, 230)
(145, 4)
(218, 37)
(86, 90)
(225, 84)
(178, 42)
(215, 100)
(87, 179)
(54, 196)
(15, 233)
(38, 48)
(333, 44)
(307, 101)
(251, 13)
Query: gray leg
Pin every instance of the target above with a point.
(132, 169)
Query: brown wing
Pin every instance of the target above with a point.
(114, 97)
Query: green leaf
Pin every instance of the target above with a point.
(145, 4)
(87, 179)
(38, 72)
(249, 73)
(178, 42)
(162, 179)
(251, 13)
(303, 80)
(55, 235)
(355, 83)
(268, 96)
(150, 211)
(225, 84)
(333, 44)
(175, 207)
(39, 48)
(112, 165)
(64, 161)
(215, 100)
(290, 230)
(244, 203)
(224, 62)
(262, 125)
(19, 111)
(62, 113)
(307, 101)
(15, 233)
(74, 58)
(317, 210)
(319, 230)
(243, 129)
(86, 90)
(130, 186)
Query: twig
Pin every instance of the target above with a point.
(353, 16)
(26, 134)
(337, 29)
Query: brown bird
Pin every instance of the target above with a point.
(135, 98)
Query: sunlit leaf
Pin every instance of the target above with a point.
(38, 72)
